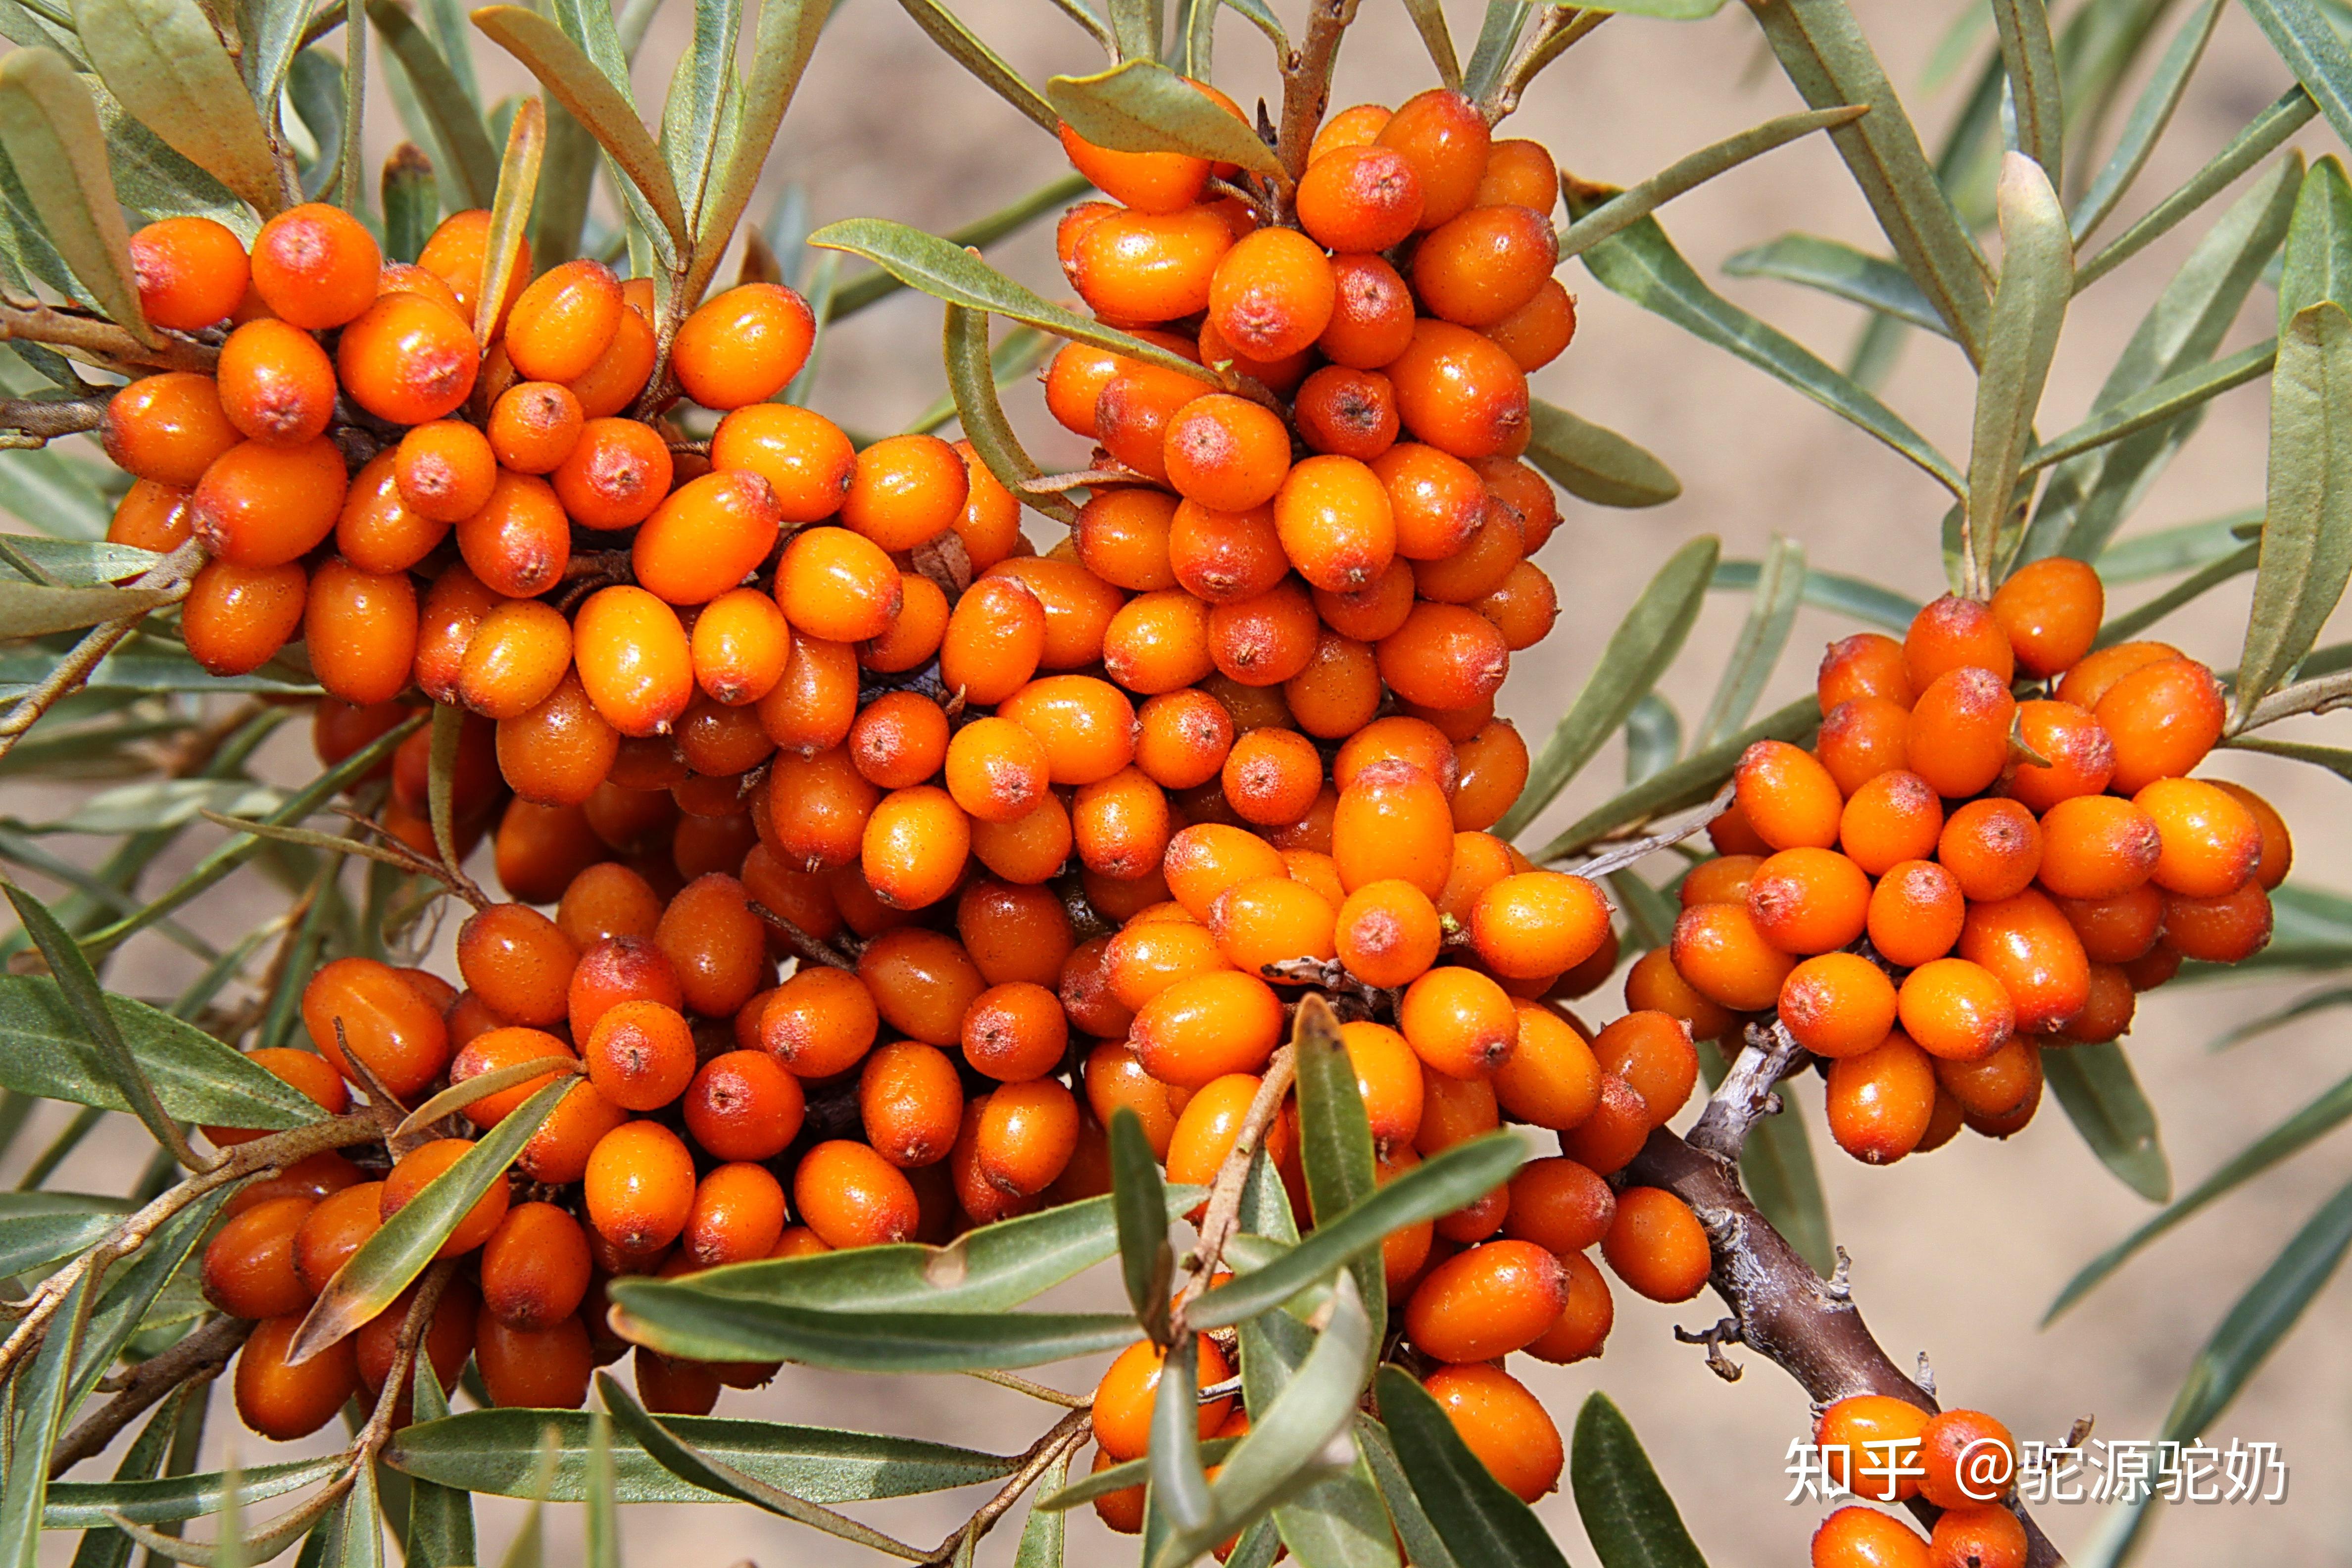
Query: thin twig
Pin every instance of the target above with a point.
(195, 1359)
(1033, 1390)
(1064, 1436)
(45, 418)
(807, 946)
(1626, 854)
(1221, 1214)
(1307, 82)
(173, 572)
(2323, 694)
(101, 340)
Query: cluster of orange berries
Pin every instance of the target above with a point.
(1957, 877)
(1889, 1450)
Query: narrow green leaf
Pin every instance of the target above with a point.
(2313, 51)
(490, 1451)
(529, 1547)
(1642, 265)
(872, 287)
(963, 45)
(711, 1475)
(2301, 1007)
(591, 96)
(2031, 59)
(165, 62)
(1446, 1182)
(1627, 1515)
(1653, 737)
(35, 1231)
(448, 718)
(46, 1050)
(676, 1317)
(940, 269)
(2151, 113)
(2318, 261)
(1118, 1477)
(696, 112)
(1842, 271)
(1686, 783)
(782, 40)
(412, 202)
(1779, 585)
(101, 1545)
(2037, 272)
(1179, 1487)
(84, 1505)
(2096, 1085)
(314, 90)
(49, 127)
(1595, 464)
(1146, 1260)
(353, 1533)
(472, 158)
(1041, 1534)
(1423, 1546)
(1828, 59)
(2297, 1133)
(2241, 1344)
(1136, 27)
(2157, 405)
(1141, 106)
(1635, 203)
(2306, 553)
(42, 1398)
(972, 387)
(1498, 43)
(1429, 21)
(440, 1518)
(502, 249)
(1335, 1146)
(1479, 1518)
(398, 1251)
(1834, 591)
(1639, 652)
(604, 1504)
(2139, 617)
(2263, 135)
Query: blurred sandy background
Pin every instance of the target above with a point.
(1957, 1255)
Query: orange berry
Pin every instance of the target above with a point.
(1361, 198)
(1788, 797)
(406, 360)
(2049, 610)
(1445, 137)
(420, 1166)
(259, 505)
(1502, 1423)
(562, 323)
(2210, 842)
(191, 272)
(1657, 1246)
(1881, 1100)
(1864, 1538)
(1837, 1004)
(2163, 718)
(742, 346)
(315, 266)
(705, 538)
(1956, 1009)
(850, 1196)
(1959, 740)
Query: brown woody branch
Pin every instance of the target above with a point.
(98, 339)
(1307, 82)
(1808, 1326)
(171, 573)
(195, 1359)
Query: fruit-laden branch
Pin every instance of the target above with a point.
(1805, 1324)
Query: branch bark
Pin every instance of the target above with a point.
(1307, 82)
(195, 1359)
(101, 340)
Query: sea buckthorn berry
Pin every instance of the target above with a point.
(995, 637)
(520, 540)
(1361, 199)
(806, 460)
(397, 1035)
(315, 266)
(2080, 756)
(741, 644)
(1881, 1098)
(1998, 1094)
(317, 1079)
(1393, 821)
(1224, 452)
(742, 346)
(1141, 267)
(914, 846)
(445, 471)
(705, 538)
(1723, 879)
(1271, 776)
(1087, 726)
(1866, 1440)
(276, 385)
(1954, 633)
(1210, 1124)
(1026, 1136)
(1015, 1031)
(558, 753)
(1347, 413)
(1204, 859)
(560, 324)
(259, 505)
(519, 961)
(1121, 536)
(557, 1153)
(641, 1054)
(1483, 1303)
(899, 740)
(360, 629)
(1538, 331)
(2210, 841)
(923, 982)
(419, 1166)
(837, 585)
(284, 1402)
(191, 272)
(1444, 657)
(639, 1187)
(1123, 1400)
(2108, 1004)
(1354, 127)
(1267, 640)
(248, 1268)
(1371, 313)
(1501, 1423)
(1788, 795)
(716, 945)
(1147, 181)
(1205, 1026)
(535, 1268)
(1480, 566)
(150, 517)
(1960, 731)
(2049, 610)
(545, 1368)
(1807, 900)
(1158, 642)
(1559, 1204)
(1483, 264)
(1335, 522)
(1992, 849)
(333, 1228)
(2097, 847)
(1029, 851)
(1121, 824)
(1269, 919)
(737, 1215)
(618, 472)
(1339, 692)
(1837, 1004)
(1518, 173)
(1460, 392)
(1272, 294)
(850, 1196)
(1446, 139)
(1584, 1323)
(811, 709)
(1915, 913)
(1867, 664)
(2164, 718)
(515, 659)
(1969, 1458)
(168, 427)
(742, 1106)
(905, 491)
(1862, 739)
(2097, 672)
(2225, 930)
(1986, 1536)
(1864, 1538)
(1459, 1022)
(407, 359)
(633, 659)
(621, 372)
(495, 1050)
(1954, 1009)
(1387, 933)
(1013, 933)
(820, 1021)
(1721, 952)
(1156, 950)
(1537, 924)
(2277, 845)
(1614, 1132)
(996, 771)
(534, 425)
(1657, 1245)
(1892, 817)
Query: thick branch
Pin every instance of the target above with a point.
(1746, 1094)
(43, 419)
(101, 340)
(1307, 82)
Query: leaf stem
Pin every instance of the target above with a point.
(2323, 694)
(1562, 26)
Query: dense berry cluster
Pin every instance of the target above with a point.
(1959, 877)
(1890, 1450)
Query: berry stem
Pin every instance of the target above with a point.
(1059, 1439)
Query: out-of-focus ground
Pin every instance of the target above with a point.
(1957, 1255)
